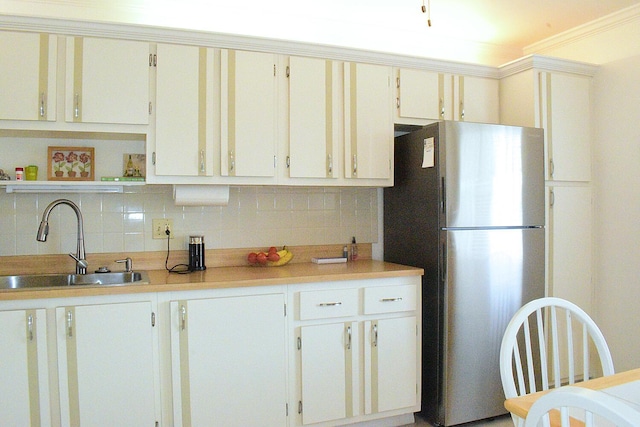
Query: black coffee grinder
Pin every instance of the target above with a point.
(196, 253)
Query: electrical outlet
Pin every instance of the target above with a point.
(160, 226)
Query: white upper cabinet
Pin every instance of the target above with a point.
(107, 81)
(312, 150)
(424, 96)
(557, 101)
(368, 119)
(420, 95)
(28, 70)
(249, 109)
(566, 117)
(184, 141)
(476, 99)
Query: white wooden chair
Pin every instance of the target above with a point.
(548, 343)
(594, 408)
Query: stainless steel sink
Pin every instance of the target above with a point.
(52, 280)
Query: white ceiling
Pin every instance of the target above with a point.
(393, 26)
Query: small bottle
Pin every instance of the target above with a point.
(345, 252)
(354, 249)
(130, 170)
(19, 174)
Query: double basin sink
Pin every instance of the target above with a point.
(34, 281)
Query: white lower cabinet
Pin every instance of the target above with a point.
(357, 350)
(321, 354)
(24, 375)
(228, 361)
(107, 374)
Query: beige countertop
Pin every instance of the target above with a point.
(229, 277)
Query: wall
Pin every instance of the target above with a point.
(616, 154)
(255, 217)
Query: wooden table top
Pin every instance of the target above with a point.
(520, 405)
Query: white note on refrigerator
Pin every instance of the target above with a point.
(428, 155)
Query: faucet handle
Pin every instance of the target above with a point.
(128, 264)
(81, 262)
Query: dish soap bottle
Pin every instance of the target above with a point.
(354, 249)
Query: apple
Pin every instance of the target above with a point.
(252, 258)
(272, 250)
(273, 256)
(262, 258)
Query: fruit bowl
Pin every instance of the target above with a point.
(272, 258)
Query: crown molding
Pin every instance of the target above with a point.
(590, 29)
(546, 63)
(83, 28)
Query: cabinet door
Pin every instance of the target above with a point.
(327, 371)
(390, 364)
(420, 94)
(368, 121)
(183, 141)
(28, 70)
(311, 151)
(570, 245)
(228, 361)
(23, 368)
(106, 365)
(568, 125)
(248, 113)
(477, 99)
(107, 81)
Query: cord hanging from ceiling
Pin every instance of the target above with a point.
(427, 9)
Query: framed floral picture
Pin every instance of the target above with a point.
(71, 164)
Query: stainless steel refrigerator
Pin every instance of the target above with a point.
(468, 207)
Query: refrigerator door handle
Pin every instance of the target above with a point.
(443, 195)
(443, 262)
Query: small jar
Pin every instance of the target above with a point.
(19, 174)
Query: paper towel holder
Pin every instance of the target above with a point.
(200, 195)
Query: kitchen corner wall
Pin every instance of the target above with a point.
(255, 217)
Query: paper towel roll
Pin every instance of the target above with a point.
(201, 195)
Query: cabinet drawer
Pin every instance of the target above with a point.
(390, 299)
(327, 304)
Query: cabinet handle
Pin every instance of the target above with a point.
(551, 168)
(348, 337)
(150, 59)
(183, 317)
(397, 82)
(76, 109)
(69, 324)
(42, 102)
(375, 335)
(288, 162)
(202, 161)
(355, 164)
(232, 161)
(288, 71)
(442, 108)
(461, 110)
(391, 299)
(330, 161)
(30, 326)
(398, 103)
(330, 304)
(552, 198)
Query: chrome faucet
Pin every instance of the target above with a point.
(43, 231)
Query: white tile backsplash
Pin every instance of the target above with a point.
(254, 217)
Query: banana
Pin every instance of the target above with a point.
(285, 257)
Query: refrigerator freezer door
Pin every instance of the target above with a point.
(492, 174)
(490, 274)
